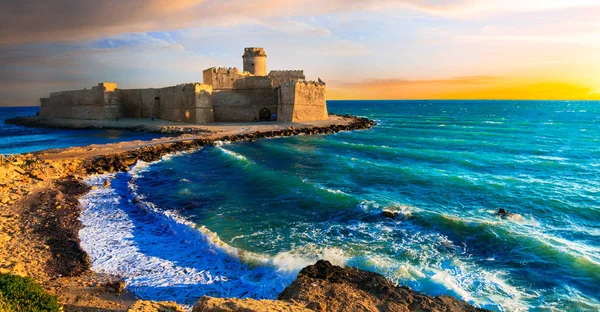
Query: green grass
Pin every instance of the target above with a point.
(22, 294)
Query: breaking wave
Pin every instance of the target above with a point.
(162, 256)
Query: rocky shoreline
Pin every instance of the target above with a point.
(123, 161)
(175, 128)
(39, 225)
(326, 287)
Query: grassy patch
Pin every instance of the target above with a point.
(22, 294)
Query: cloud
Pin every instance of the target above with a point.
(71, 20)
(469, 8)
(28, 72)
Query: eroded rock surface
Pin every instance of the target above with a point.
(210, 304)
(151, 306)
(333, 288)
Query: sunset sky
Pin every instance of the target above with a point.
(411, 49)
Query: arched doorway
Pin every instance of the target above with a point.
(264, 114)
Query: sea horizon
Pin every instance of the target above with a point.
(423, 99)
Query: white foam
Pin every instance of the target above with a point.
(164, 257)
(553, 158)
(324, 188)
(294, 261)
(235, 155)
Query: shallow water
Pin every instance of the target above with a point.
(242, 219)
(18, 139)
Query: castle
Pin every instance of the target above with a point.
(226, 95)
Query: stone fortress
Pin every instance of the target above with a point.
(227, 95)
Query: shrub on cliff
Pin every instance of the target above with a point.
(19, 294)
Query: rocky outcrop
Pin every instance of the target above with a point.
(326, 287)
(390, 214)
(151, 306)
(333, 288)
(210, 304)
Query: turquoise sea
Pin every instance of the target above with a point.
(241, 219)
(17, 139)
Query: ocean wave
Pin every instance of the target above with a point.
(520, 238)
(164, 257)
(235, 155)
(324, 188)
(158, 251)
(141, 166)
(431, 272)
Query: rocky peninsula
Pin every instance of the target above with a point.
(39, 225)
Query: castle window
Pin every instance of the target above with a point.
(157, 98)
(252, 64)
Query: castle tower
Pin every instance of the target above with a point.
(255, 61)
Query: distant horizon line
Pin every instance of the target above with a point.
(407, 100)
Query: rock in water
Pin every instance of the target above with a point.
(347, 289)
(389, 214)
(503, 213)
(106, 183)
(136, 200)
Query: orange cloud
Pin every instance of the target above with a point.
(475, 87)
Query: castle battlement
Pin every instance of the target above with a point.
(303, 82)
(223, 70)
(227, 94)
(254, 52)
(296, 72)
(279, 76)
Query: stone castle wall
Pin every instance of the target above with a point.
(279, 76)
(302, 101)
(182, 103)
(189, 103)
(222, 78)
(139, 103)
(243, 105)
(243, 102)
(96, 103)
